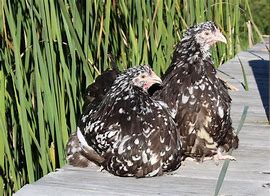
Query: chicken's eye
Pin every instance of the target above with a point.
(206, 33)
(143, 76)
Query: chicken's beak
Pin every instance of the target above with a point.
(219, 37)
(152, 79)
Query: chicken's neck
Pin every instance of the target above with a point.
(188, 58)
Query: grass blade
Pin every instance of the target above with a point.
(225, 166)
(2, 113)
(244, 74)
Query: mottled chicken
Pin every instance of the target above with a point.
(198, 100)
(128, 133)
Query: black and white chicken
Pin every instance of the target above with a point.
(128, 133)
(199, 101)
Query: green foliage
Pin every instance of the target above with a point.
(51, 50)
(262, 16)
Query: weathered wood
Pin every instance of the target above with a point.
(246, 176)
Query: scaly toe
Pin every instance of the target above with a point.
(224, 157)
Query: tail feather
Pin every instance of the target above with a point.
(74, 152)
(88, 151)
(96, 91)
(80, 154)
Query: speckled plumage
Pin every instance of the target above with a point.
(132, 133)
(196, 99)
(199, 101)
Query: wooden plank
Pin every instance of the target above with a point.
(179, 183)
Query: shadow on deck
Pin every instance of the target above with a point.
(259, 68)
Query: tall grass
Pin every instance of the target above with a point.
(51, 50)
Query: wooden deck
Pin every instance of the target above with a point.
(249, 175)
